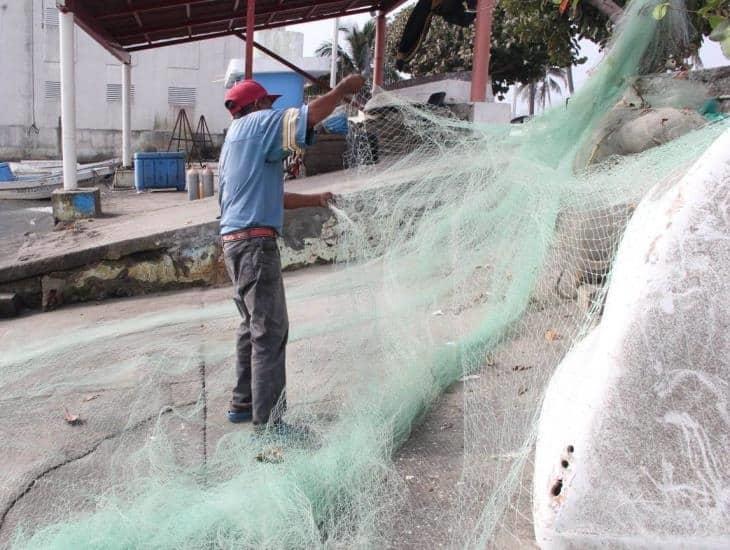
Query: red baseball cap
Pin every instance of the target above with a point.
(244, 93)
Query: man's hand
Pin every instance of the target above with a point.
(322, 107)
(351, 84)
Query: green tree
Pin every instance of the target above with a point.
(358, 54)
(526, 39)
(528, 36)
(539, 91)
(595, 20)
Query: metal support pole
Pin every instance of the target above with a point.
(126, 115)
(335, 52)
(250, 26)
(379, 50)
(68, 100)
(482, 47)
(273, 55)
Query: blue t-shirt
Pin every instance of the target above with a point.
(251, 172)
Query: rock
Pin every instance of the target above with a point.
(53, 292)
(656, 127)
(633, 447)
(10, 305)
(587, 296)
(588, 242)
(627, 131)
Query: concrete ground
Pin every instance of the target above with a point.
(98, 362)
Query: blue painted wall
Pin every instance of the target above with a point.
(289, 85)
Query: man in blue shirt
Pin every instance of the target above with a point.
(253, 200)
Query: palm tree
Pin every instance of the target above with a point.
(357, 56)
(540, 90)
(550, 82)
(569, 79)
(530, 90)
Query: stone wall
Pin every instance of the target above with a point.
(188, 257)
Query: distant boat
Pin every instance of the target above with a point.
(35, 181)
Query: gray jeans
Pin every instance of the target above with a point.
(254, 266)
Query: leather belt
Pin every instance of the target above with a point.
(250, 233)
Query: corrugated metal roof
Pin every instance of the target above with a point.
(124, 26)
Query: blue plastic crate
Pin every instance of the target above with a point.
(159, 171)
(6, 174)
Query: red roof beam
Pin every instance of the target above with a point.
(142, 45)
(284, 62)
(167, 4)
(90, 26)
(226, 18)
(176, 41)
(235, 9)
(183, 24)
(320, 7)
(151, 6)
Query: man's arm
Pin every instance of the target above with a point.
(322, 107)
(295, 200)
(317, 111)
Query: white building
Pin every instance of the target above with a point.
(164, 80)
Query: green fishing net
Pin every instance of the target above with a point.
(480, 254)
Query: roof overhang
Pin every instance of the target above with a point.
(124, 26)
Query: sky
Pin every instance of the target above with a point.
(320, 31)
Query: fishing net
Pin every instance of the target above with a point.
(474, 262)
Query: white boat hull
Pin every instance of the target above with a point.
(37, 187)
(633, 444)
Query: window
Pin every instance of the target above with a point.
(182, 97)
(50, 16)
(114, 93)
(52, 91)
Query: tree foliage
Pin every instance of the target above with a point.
(714, 14)
(704, 17)
(357, 55)
(526, 40)
(529, 37)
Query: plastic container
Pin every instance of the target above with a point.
(159, 170)
(6, 174)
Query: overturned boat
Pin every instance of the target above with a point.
(34, 181)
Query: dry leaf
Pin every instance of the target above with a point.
(552, 335)
(520, 368)
(272, 455)
(72, 419)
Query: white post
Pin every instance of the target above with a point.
(126, 115)
(68, 100)
(335, 49)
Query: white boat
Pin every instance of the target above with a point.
(32, 184)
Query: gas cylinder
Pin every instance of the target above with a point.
(207, 186)
(192, 179)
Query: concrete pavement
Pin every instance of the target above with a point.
(157, 370)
